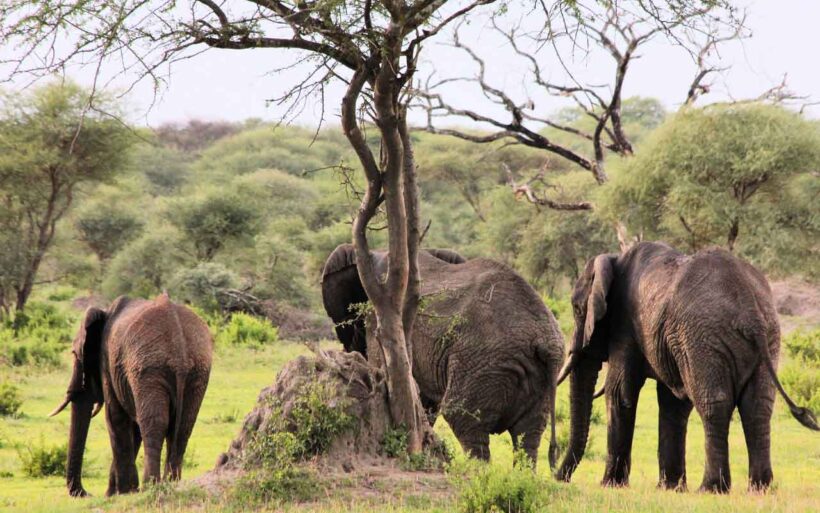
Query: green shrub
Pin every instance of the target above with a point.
(10, 400)
(37, 336)
(272, 456)
(316, 416)
(247, 330)
(40, 460)
(484, 488)
(289, 483)
(801, 375)
(394, 443)
(804, 345)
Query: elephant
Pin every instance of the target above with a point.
(705, 329)
(485, 350)
(148, 362)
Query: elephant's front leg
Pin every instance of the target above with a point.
(623, 386)
(673, 418)
(123, 475)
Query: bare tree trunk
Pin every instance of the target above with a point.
(396, 298)
(733, 233)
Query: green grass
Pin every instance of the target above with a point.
(240, 373)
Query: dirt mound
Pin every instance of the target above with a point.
(360, 390)
(298, 324)
(797, 299)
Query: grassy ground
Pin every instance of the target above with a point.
(239, 375)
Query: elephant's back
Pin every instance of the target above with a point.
(488, 327)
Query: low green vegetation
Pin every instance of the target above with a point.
(41, 459)
(10, 400)
(801, 376)
(247, 330)
(486, 488)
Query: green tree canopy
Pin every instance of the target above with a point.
(211, 220)
(51, 143)
(739, 175)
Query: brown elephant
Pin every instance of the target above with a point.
(485, 349)
(704, 327)
(148, 362)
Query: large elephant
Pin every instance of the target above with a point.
(702, 326)
(485, 349)
(148, 362)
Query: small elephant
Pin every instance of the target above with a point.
(148, 362)
(485, 349)
(704, 327)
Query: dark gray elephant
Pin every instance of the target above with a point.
(704, 327)
(485, 349)
(148, 362)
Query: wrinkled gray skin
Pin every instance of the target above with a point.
(704, 327)
(148, 362)
(485, 350)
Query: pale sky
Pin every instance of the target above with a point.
(233, 85)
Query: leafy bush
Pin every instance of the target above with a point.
(289, 483)
(484, 488)
(802, 382)
(144, 266)
(315, 418)
(247, 330)
(804, 345)
(204, 285)
(801, 376)
(10, 400)
(40, 460)
(37, 336)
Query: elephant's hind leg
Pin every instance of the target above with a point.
(755, 406)
(672, 421)
(178, 437)
(529, 429)
(153, 412)
(716, 417)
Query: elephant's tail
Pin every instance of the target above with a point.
(553, 449)
(803, 415)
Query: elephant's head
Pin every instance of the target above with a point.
(84, 393)
(342, 289)
(587, 352)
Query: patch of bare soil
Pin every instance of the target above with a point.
(797, 303)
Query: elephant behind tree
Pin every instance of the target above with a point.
(485, 349)
(705, 328)
(148, 362)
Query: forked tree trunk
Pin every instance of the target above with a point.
(392, 183)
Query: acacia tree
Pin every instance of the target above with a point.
(620, 31)
(371, 46)
(49, 146)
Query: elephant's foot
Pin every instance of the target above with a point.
(78, 492)
(677, 485)
(714, 485)
(760, 484)
(615, 482)
(616, 475)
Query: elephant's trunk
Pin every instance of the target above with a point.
(582, 387)
(81, 408)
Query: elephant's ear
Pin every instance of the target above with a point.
(447, 255)
(87, 348)
(85, 377)
(602, 274)
(341, 290)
